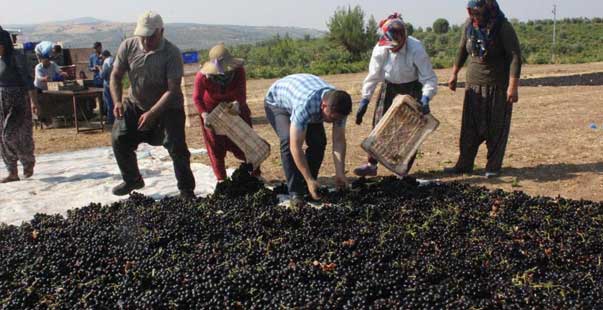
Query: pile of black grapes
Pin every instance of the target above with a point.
(384, 244)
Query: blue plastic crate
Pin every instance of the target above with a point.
(190, 57)
(30, 46)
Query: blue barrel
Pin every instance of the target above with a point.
(190, 57)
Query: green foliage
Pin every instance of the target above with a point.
(577, 42)
(372, 32)
(441, 26)
(283, 56)
(410, 29)
(347, 27)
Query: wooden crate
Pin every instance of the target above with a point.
(192, 115)
(398, 135)
(79, 57)
(234, 127)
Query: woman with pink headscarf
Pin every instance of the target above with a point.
(402, 65)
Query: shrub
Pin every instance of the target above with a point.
(443, 40)
(441, 25)
(347, 28)
(578, 43)
(539, 59)
(410, 29)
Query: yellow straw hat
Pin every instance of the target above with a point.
(220, 61)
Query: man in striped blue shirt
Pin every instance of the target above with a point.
(296, 107)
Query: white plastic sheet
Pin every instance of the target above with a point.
(64, 181)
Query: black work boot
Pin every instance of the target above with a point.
(187, 195)
(124, 188)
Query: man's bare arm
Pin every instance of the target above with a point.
(116, 88)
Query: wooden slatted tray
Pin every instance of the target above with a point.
(234, 127)
(398, 135)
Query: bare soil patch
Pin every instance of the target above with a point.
(552, 151)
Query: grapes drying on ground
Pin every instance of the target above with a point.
(384, 244)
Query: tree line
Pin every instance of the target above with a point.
(347, 46)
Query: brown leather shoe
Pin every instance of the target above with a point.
(28, 171)
(10, 178)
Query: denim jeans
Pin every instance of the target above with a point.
(316, 141)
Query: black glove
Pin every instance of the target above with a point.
(361, 110)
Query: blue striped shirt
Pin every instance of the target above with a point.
(301, 95)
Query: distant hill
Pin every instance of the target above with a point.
(83, 32)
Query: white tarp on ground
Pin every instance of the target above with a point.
(64, 181)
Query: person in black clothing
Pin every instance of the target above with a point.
(16, 89)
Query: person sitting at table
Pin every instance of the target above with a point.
(50, 108)
(47, 71)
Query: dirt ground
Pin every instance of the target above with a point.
(552, 150)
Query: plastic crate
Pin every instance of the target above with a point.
(190, 57)
(399, 133)
(29, 46)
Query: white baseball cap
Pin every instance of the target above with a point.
(148, 23)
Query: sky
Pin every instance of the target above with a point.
(301, 13)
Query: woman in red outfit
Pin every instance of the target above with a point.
(221, 79)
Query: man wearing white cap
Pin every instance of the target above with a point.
(153, 112)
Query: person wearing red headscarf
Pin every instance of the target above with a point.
(402, 65)
(491, 45)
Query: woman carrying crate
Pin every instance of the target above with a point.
(221, 79)
(491, 45)
(401, 63)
